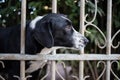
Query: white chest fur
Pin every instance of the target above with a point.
(35, 65)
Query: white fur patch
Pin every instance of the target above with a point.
(35, 65)
(33, 22)
(78, 40)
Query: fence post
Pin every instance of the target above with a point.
(22, 51)
(108, 47)
(53, 69)
(54, 6)
(82, 29)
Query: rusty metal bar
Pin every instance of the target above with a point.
(108, 47)
(53, 67)
(82, 29)
(22, 51)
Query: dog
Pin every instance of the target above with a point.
(42, 35)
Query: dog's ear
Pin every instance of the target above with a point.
(43, 33)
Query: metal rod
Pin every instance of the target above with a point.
(82, 29)
(60, 56)
(54, 10)
(53, 67)
(108, 47)
(23, 24)
(54, 6)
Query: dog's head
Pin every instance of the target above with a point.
(57, 30)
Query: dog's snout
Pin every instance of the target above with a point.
(84, 40)
(80, 41)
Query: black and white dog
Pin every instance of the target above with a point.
(43, 34)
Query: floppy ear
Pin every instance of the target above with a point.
(43, 34)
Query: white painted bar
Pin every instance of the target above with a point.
(108, 46)
(22, 46)
(53, 65)
(54, 6)
(60, 57)
(82, 30)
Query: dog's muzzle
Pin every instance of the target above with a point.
(79, 40)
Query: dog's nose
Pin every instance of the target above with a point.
(86, 41)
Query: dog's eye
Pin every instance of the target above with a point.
(68, 28)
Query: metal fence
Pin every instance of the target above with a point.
(108, 57)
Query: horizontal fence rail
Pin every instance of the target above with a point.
(60, 57)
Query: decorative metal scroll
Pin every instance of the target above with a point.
(90, 24)
(15, 76)
(3, 66)
(62, 78)
(1, 77)
(64, 66)
(2, 63)
(113, 71)
(45, 76)
(114, 38)
(76, 78)
(104, 64)
(102, 73)
(59, 74)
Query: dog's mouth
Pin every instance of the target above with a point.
(80, 45)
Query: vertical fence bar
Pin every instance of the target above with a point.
(82, 29)
(54, 6)
(53, 67)
(23, 24)
(108, 48)
(54, 10)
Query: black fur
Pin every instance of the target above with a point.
(52, 30)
